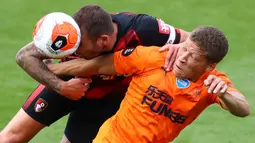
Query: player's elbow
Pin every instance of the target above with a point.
(243, 114)
(247, 113)
(20, 56)
(25, 54)
(244, 110)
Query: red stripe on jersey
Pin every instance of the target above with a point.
(178, 36)
(36, 92)
(137, 38)
(127, 40)
(177, 31)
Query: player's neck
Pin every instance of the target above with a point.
(115, 29)
(200, 77)
(115, 32)
(194, 79)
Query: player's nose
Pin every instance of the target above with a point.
(183, 57)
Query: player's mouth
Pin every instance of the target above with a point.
(177, 70)
(178, 67)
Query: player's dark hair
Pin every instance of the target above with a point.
(94, 20)
(212, 41)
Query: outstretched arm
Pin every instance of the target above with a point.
(129, 61)
(81, 67)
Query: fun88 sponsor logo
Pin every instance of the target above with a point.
(159, 103)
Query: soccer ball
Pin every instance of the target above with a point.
(57, 35)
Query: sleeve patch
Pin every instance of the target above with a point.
(168, 30)
(163, 27)
(127, 52)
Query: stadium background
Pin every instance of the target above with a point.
(235, 18)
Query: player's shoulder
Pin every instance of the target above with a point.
(154, 58)
(150, 54)
(139, 51)
(147, 51)
(127, 20)
(120, 15)
(154, 49)
(123, 19)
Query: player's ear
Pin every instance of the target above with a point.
(211, 67)
(103, 40)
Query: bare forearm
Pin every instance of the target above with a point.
(236, 104)
(41, 73)
(28, 59)
(184, 35)
(81, 67)
(77, 67)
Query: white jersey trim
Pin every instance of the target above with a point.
(172, 35)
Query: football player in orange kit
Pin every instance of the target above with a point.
(159, 104)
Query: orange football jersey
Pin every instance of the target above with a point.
(157, 105)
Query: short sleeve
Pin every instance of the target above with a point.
(152, 31)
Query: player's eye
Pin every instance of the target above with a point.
(194, 57)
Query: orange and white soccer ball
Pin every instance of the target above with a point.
(57, 35)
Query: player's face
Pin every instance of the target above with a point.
(91, 48)
(191, 62)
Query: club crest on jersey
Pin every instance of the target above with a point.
(40, 105)
(197, 92)
(163, 27)
(182, 83)
(128, 51)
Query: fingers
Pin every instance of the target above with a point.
(209, 80)
(83, 87)
(172, 58)
(164, 48)
(171, 55)
(77, 88)
(215, 85)
(168, 57)
(224, 89)
(86, 86)
(79, 92)
(83, 80)
(87, 80)
(218, 87)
